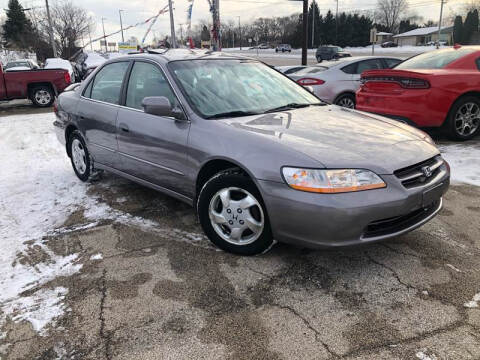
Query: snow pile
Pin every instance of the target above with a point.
(96, 257)
(474, 303)
(464, 160)
(57, 63)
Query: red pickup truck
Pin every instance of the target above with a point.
(40, 86)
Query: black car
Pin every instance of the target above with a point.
(389, 44)
(330, 53)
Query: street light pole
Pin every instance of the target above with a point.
(336, 25)
(172, 24)
(305, 30)
(240, 30)
(50, 30)
(121, 24)
(313, 24)
(104, 36)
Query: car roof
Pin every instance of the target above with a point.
(166, 56)
(352, 59)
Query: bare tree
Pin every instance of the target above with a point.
(390, 12)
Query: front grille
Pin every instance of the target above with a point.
(399, 223)
(414, 175)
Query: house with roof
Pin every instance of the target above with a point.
(423, 36)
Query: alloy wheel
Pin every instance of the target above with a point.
(467, 119)
(346, 102)
(43, 97)
(79, 156)
(236, 216)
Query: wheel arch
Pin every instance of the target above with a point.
(68, 131)
(213, 166)
(346, 92)
(32, 86)
(474, 93)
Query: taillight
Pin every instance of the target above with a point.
(407, 83)
(68, 79)
(310, 82)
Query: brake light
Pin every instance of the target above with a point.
(407, 83)
(68, 79)
(310, 81)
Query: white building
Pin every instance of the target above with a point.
(422, 36)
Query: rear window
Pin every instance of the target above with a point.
(434, 59)
(312, 70)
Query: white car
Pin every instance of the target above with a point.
(58, 63)
(21, 65)
(337, 81)
(290, 69)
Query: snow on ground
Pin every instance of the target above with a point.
(464, 160)
(38, 191)
(474, 303)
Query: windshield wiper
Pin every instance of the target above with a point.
(291, 106)
(236, 113)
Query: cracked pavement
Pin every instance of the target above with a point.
(158, 295)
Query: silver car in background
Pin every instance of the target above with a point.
(337, 81)
(258, 156)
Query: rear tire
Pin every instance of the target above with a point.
(80, 156)
(463, 122)
(42, 96)
(233, 215)
(346, 101)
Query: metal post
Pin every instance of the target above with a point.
(313, 23)
(440, 22)
(217, 12)
(50, 30)
(240, 30)
(336, 26)
(172, 24)
(305, 31)
(121, 24)
(104, 36)
(90, 38)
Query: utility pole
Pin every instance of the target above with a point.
(50, 30)
(305, 31)
(336, 25)
(440, 22)
(172, 24)
(313, 23)
(240, 30)
(90, 38)
(104, 36)
(121, 24)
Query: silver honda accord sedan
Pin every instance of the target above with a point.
(257, 155)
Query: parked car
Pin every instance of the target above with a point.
(58, 63)
(21, 65)
(330, 53)
(435, 89)
(389, 44)
(257, 155)
(290, 69)
(337, 81)
(283, 48)
(41, 86)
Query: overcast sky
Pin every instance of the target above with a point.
(137, 10)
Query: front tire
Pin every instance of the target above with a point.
(463, 122)
(42, 96)
(79, 156)
(346, 101)
(233, 215)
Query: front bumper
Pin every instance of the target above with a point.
(332, 220)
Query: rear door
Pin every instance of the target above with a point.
(364, 65)
(98, 109)
(151, 147)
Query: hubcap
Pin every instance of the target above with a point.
(42, 97)
(78, 156)
(467, 119)
(347, 103)
(236, 216)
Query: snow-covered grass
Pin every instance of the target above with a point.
(464, 159)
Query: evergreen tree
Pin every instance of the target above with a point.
(406, 25)
(458, 30)
(468, 28)
(475, 20)
(18, 29)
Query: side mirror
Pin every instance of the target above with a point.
(161, 106)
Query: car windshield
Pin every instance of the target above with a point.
(434, 59)
(228, 88)
(13, 64)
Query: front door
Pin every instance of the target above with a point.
(98, 110)
(151, 147)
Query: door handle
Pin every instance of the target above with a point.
(124, 128)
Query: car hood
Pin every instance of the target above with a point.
(342, 138)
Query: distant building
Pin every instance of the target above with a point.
(423, 36)
(383, 37)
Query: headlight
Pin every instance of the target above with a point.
(332, 181)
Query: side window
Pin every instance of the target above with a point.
(147, 80)
(350, 69)
(478, 63)
(392, 62)
(107, 84)
(372, 64)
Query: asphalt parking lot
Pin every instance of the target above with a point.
(150, 286)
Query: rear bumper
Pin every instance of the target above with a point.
(334, 220)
